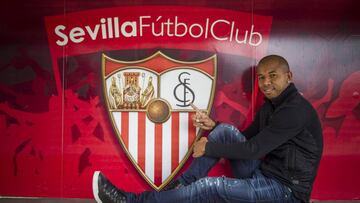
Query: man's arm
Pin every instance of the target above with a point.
(286, 124)
(203, 121)
(253, 128)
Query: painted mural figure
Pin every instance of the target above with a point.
(132, 91)
(147, 94)
(117, 101)
(274, 160)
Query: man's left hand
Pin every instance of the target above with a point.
(199, 147)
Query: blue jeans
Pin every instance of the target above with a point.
(249, 184)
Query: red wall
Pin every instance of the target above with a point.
(54, 127)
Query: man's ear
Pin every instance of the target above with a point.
(290, 76)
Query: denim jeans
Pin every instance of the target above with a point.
(249, 184)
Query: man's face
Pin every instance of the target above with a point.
(273, 79)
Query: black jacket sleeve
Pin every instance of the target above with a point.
(253, 128)
(285, 124)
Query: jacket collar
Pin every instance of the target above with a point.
(283, 96)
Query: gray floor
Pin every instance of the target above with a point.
(44, 200)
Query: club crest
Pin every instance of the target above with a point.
(148, 102)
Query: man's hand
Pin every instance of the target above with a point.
(199, 147)
(201, 120)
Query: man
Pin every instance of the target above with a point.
(274, 160)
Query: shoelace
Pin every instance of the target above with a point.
(113, 194)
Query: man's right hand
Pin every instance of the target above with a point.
(202, 120)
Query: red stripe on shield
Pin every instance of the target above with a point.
(192, 130)
(158, 154)
(125, 128)
(175, 140)
(141, 140)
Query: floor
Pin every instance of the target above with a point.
(44, 200)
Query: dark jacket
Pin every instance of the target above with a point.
(287, 134)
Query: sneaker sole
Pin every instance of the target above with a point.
(95, 186)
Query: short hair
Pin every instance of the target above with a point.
(274, 58)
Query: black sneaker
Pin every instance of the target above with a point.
(173, 185)
(105, 192)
